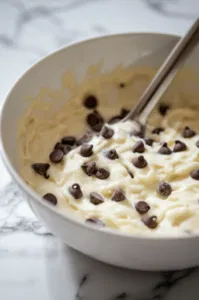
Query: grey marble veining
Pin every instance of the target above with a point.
(33, 263)
(15, 214)
(166, 8)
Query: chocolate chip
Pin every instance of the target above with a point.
(107, 132)
(150, 222)
(139, 162)
(41, 169)
(75, 191)
(97, 127)
(188, 132)
(64, 148)
(122, 85)
(197, 144)
(114, 120)
(164, 189)
(118, 195)
(57, 145)
(157, 130)
(95, 121)
(89, 168)
(102, 173)
(163, 108)
(95, 221)
(138, 147)
(50, 198)
(142, 207)
(56, 156)
(195, 174)
(138, 133)
(124, 112)
(84, 139)
(149, 141)
(68, 140)
(164, 149)
(90, 101)
(112, 154)
(86, 150)
(179, 146)
(96, 198)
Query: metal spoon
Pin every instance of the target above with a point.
(165, 75)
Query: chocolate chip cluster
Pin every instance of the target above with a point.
(95, 123)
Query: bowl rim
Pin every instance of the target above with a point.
(35, 196)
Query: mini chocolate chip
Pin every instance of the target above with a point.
(157, 130)
(86, 150)
(142, 207)
(96, 198)
(164, 149)
(41, 169)
(197, 144)
(138, 133)
(139, 162)
(89, 168)
(75, 191)
(114, 120)
(50, 198)
(84, 139)
(90, 101)
(68, 140)
(179, 146)
(124, 112)
(57, 145)
(163, 108)
(122, 85)
(107, 132)
(102, 173)
(138, 147)
(56, 156)
(95, 221)
(95, 121)
(195, 174)
(112, 154)
(118, 195)
(150, 222)
(164, 189)
(97, 127)
(188, 132)
(149, 141)
(64, 148)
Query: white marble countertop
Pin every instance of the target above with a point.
(33, 263)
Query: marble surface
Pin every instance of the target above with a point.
(33, 263)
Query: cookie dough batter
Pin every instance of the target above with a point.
(114, 178)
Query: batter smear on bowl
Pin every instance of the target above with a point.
(84, 161)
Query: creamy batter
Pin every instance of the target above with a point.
(122, 181)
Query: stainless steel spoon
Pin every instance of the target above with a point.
(165, 75)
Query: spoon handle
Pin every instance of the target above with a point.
(165, 75)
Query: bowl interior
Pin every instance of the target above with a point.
(125, 49)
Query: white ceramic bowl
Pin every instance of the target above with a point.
(126, 251)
